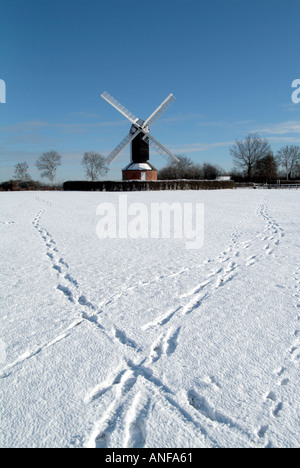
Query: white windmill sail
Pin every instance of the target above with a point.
(161, 149)
(159, 111)
(113, 155)
(140, 126)
(117, 105)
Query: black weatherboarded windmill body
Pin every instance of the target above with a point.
(139, 136)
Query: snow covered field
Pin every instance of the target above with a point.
(141, 342)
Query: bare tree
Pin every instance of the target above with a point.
(211, 172)
(297, 171)
(246, 154)
(94, 164)
(48, 163)
(183, 169)
(266, 169)
(289, 158)
(21, 173)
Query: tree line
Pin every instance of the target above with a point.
(253, 160)
(48, 163)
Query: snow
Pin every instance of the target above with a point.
(142, 342)
(138, 166)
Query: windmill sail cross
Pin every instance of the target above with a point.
(140, 138)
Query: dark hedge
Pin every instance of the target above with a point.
(130, 186)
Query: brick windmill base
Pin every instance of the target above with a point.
(139, 171)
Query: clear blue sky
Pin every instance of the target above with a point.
(230, 64)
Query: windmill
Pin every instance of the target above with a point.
(140, 138)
